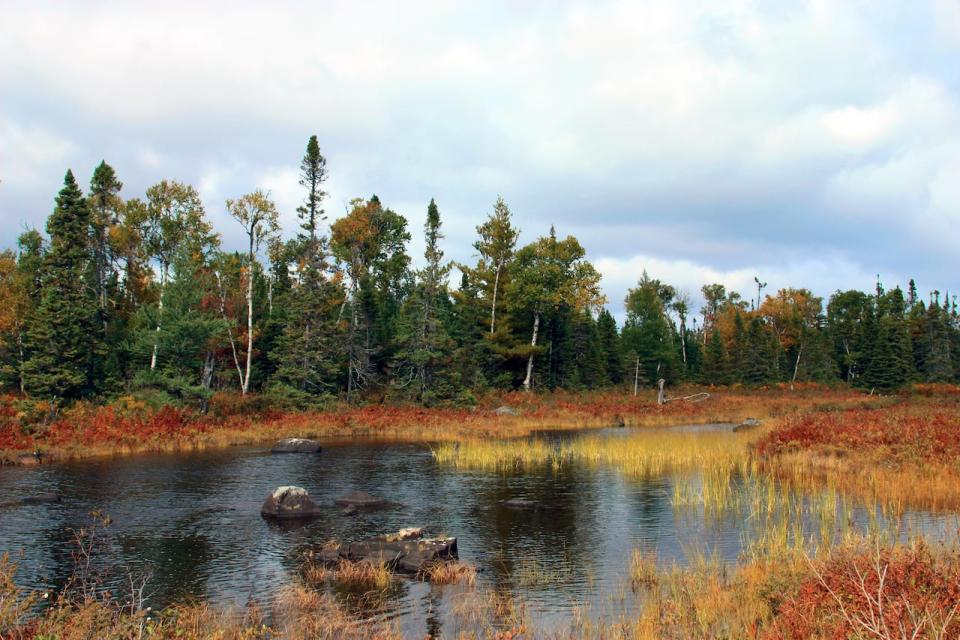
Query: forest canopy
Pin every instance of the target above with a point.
(126, 295)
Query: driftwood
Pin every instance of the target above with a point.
(663, 399)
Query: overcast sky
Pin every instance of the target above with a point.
(811, 143)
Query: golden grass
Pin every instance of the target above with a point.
(643, 453)
(127, 428)
(454, 572)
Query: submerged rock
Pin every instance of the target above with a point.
(405, 551)
(289, 502)
(361, 500)
(42, 498)
(747, 425)
(523, 504)
(296, 445)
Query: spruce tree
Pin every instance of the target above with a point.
(307, 354)
(715, 369)
(609, 346)
(61, 338)
(425, 345)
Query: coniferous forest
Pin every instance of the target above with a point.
(129, 293)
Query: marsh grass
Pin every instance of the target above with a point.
(130, 425)
(446, 573)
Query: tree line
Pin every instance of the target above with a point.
(137, 295)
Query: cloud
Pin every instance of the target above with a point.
(750, 136)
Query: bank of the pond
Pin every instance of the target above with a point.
(908, 453)
(129, 425)
(858, 590)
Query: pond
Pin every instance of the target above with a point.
(194, 520)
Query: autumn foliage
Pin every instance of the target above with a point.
(899, 592)
(899, 435)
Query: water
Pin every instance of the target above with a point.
(194, 520)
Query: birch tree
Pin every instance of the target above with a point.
(172, 216)
(260, 220)
(549, 274)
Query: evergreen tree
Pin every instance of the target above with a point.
(370, 242)
(60, 340)
(425, 346)
(547, 276)
(308, 352)
(715, 370)
(648, 331)
(937, 364)
(191, 333)
(890, 363)
(610, 348)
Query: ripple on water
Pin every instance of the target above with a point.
(194, 518)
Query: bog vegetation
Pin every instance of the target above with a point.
(136, 295)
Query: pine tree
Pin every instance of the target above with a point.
(61, 338)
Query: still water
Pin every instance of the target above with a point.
(194, 520)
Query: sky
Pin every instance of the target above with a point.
(812, 144)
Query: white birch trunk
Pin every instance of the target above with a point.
(493, 307)
(156, 338)
(246, 377)
(528, 381)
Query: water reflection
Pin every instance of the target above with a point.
(194, 520)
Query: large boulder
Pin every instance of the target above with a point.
(361, 500)
(296, 445)
(289, 502)
(406, 551)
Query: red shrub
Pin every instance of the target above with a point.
(896, 434)
(878, 594)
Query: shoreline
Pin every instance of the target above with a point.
(116, 430)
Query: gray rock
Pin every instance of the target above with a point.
(296, 445)
(289, 502)
(747, 425)
(361, 500)
(506, 411)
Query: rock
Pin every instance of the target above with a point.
(506, 411)
(361, 500)
(406, 551)
(747, 425)
(289, 502)
(296, 445)
(523, 503)
(43, 498)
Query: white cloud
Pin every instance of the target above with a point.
(722, 136)
(31, 155)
